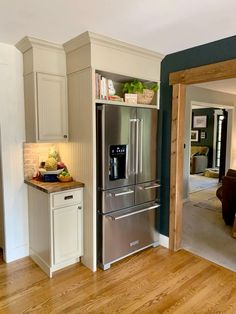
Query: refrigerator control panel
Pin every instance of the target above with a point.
(117, 162)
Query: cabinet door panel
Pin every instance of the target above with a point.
(51, 107)
(66, 223)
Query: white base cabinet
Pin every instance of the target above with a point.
(55, 228)
(67, 225)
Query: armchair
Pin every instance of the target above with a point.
(227, 195)
(199, 159)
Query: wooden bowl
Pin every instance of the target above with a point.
(65, 179)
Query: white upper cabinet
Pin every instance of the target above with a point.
(51, 107)
(45, 89)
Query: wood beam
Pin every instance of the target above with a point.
(176, 170)
(211, 72)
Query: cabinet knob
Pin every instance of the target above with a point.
(65, 136)
(80, 207)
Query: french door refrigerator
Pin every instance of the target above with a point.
(127, 181)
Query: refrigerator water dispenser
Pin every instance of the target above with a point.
(117, 156)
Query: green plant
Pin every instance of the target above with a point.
(133, 87)
(138, 87)
(154, 87)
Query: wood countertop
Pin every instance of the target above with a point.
(51, 187)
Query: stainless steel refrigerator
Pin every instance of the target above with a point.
(127, 181)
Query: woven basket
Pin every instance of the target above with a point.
(146, 97)
(65, 179)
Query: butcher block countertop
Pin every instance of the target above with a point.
(51, 187)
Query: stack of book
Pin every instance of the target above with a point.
(102, 89)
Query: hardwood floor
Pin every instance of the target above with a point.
(152, 281)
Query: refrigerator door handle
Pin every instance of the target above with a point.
(132, 213)
(154, 186)
(141, 146)
(132, 146)
(123, 193)
(137, 147)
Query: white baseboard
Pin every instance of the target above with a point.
(164, 241)
(16, 253)
(50, 269)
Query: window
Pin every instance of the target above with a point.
(220, 118)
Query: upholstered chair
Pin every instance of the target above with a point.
(227, 195)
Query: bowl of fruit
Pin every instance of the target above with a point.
(64, 176)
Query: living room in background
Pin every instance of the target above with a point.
(203, 121)
(199, 98)
(180, 81)
(203, 197)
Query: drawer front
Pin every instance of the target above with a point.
(116, 199)
(127, 231)
(147, 192)
(66, 198)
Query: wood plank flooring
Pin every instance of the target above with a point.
(153, 281)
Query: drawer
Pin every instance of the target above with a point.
(129, 230)
(67, 198)
(115, 199)
(147, 192)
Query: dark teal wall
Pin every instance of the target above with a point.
(217, 51)
(209, 131)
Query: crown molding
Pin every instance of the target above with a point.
(27, 43)
(87, 38)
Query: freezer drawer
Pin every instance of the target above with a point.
(115, 199)
(127, 231)
(147, 192)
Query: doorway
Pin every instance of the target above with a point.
(202, 205)
(179, 80)
(213, 139)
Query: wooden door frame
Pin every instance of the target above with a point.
(179, 80)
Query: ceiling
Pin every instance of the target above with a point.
(164, 26)
(225, 86)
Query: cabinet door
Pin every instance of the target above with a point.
(67, 226)
(51, 107)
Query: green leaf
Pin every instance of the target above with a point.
(138, 87)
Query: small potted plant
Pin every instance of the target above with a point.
(139, 92)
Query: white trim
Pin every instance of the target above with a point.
(49, 270)
(94, 38)
(210, 105)
(27, 43)
(164, 241)
(124, 104)
(229, 141)
(15, 253)
(217, 113)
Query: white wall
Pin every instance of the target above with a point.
(203, 95)
(12, 136)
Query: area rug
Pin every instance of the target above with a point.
(211, 173)
(199, 182)
(205, 233)
(212, 203)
